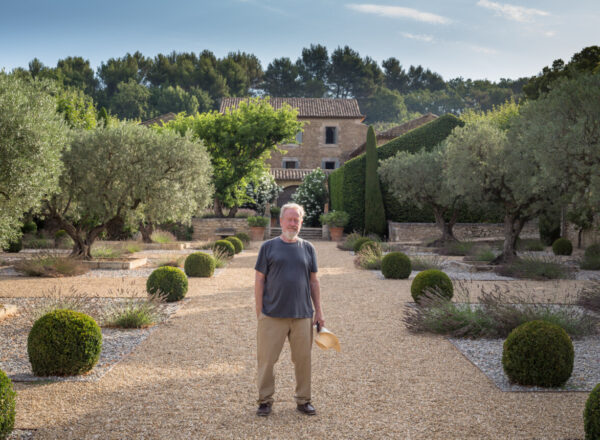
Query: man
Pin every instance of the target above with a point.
(285, 283)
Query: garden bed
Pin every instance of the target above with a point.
(116, 264)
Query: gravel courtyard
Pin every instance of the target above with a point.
(194, 376)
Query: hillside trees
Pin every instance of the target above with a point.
(238, 142)
(32, 136)
(127, 172)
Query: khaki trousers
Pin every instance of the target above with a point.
(271, 334)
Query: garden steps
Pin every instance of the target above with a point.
(310, 234)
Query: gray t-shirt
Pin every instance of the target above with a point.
(287, 268)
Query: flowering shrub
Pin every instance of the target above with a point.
(312, 195)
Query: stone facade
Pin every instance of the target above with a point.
(313, 152)
(205, 228)
(419, 232)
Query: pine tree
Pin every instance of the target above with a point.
(374, 211)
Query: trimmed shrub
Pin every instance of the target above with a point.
(538, 353)
(359, 242)
(224, 246)
(396, 265)
(168, 281)
(374, 209)
(562, 246)
(591, 415)
(591, 258)
(592, 251)
(244, 237)
(7, 405)
(199, 264)
(432, 280)
(14, 246)
(64, 343)
(29, 227)
(237, 244)
(372, 246)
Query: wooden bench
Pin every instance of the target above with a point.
(225, 232)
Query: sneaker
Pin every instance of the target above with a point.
(307, 409)
(264, 409)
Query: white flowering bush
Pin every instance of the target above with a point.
(262, 190)
(312, 195)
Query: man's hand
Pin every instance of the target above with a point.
(319, 318)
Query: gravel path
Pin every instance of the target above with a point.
(194, 376)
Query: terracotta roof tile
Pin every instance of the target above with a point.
(308, 107)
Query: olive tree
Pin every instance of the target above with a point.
(128, 172)
(486, 164)
(418, 178)
(32, 136)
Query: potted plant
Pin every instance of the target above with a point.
(335, 220)
(275, 210)
(257, 227)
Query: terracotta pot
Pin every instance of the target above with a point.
(336, 233)
(257, 233)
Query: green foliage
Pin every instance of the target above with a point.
(591, 258)
(275, 211)
(64, 343)
(106, 252)
(336, 189)
(349, 241)
(352, 180)
(244, 237)
(530, 245)
(549, 225)
(257, 221)
(535, 268)
(237, 244)
(7, 406)
(562, 246)
(168, 281)
(312, 196)
(591, 415)
(29, 227)
(368, 258)
(14, 246)
(159, 236)
(431, 280)
(374, 209)
(32, 136)
(77, 108)
(134, 313)
(225, 247)
(372, 246)
(396, 265)
(538, 353)
(358, 242)
(593, 250)
(384, 105)
(199, 264)
(239, 141)
(335, 219)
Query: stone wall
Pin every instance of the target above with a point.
(351, 133)
(419, 232)
(204, 228)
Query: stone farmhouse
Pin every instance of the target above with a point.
(333, 129)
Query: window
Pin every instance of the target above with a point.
(330, 135)
(299, 137)
(291, 163)
(330, 163)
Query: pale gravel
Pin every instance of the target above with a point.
(194, 377)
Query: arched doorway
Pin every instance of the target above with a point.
(286, 195)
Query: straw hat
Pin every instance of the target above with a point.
(325, 340)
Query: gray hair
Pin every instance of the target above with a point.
(295, 206)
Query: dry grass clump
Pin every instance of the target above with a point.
(134, 312)
(160, 236)
(425, 262)
(172, 263)
(54, 299)
(589, 297)
(536, 268)
(499, 311)
(51, 266)
(221, 257)
(368, 258)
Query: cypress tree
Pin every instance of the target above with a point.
(374, 209)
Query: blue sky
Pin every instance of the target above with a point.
(470, 38)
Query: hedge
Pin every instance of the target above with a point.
(351, 176)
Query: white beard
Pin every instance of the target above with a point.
(290, 235)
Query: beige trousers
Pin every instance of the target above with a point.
(271, 334)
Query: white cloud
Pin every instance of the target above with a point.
(512, 12)
(419, 37)
(398, 12)
(549, 34)
(483, 50)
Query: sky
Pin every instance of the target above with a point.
(477, 39)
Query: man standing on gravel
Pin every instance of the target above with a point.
(285, 283)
